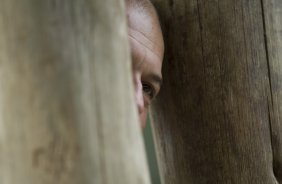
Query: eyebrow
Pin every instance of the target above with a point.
(156, 79)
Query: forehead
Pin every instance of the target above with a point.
(144, 26)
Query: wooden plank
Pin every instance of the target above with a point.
(273, 36)
(212, 120)
(67, 112)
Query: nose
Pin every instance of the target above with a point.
(139, 98)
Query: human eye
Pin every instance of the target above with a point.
(148, 90)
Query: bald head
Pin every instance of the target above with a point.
(144, 6)
(147, 49)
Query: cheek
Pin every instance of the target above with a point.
(143, 118)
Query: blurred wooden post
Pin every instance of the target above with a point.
(67, 112)
(218, 117)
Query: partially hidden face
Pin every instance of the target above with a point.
(147, 49)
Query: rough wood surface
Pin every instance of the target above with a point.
(273, 27)
(67, 113)
(218, 116)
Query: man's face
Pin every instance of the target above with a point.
(147, 49)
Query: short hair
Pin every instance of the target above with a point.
(145, 6)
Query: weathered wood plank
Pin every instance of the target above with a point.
(67, 112)
(273, 33)
(212, 120)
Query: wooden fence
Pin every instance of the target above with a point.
(218, 118)
(67, 113)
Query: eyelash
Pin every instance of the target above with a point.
(150, 93)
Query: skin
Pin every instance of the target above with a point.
(147, 50)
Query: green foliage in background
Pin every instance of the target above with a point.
(151, 154)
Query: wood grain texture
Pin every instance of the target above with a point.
(273, 35)
(67, 112)
(214, 120)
